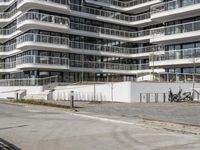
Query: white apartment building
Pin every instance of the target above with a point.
(99, 40)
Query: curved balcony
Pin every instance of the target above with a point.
(7, 67)
(115, 51)
(110, 16)
(130, 6)
(5, 3)
(42, 21)
(7, 17)
(42, 62)
(107, 33)
(58, 6)
(42, 42)
(106, 67)
(45, 42)
(164, 12)
(7, 34)
(187, 32)
(177, 58)
(7, 50)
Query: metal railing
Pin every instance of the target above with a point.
(7, 48)
(176, 29)
(45, 60)
(7, 65)
(8, 31)
(62, 2)
(43, 17)
(123, 4)
(109, 31)
(107, 65)
(6, 15)
(176, 77)
(32, 37)
(115, 49)
(109, 14)
(172, 5)
(5, 1)
(177, 54)
(29, 81)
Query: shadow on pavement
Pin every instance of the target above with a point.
(5, 145)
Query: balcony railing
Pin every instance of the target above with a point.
(123, 4)
(178, 54)
(172, 5)
(176, 77)
(7, 48)
(31, 37)
(3, 1)
(42, 60)
(176, 29)
(6, 15)
(109, 31)
(29, 81)
(7, 65)
(62, 2)
(107, 65)
(8, 31)
(115, 49)
(109, 14)
(43, 17)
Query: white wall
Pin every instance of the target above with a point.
(6, 91)
(121, 92)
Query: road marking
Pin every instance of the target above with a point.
(105, 119)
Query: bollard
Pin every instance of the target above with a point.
(140, 97)
(164, 97)
(72, 99)
(17, 96)
(146, 97)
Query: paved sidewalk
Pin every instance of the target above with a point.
(186, 113)
(43, 128)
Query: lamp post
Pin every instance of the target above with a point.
(193, 78)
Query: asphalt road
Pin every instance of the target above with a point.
(42, 128)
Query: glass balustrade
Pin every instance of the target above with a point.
(176, 29)
(7, 48)
(178, 54)
(6, 15)
(172, 5)
(2, 1)
(123, 4)
(8, 31)
(109, 14)
(31, 37)
(43, 17)
(109, 31)
(44, 60)
(29, 81)
(63, 2)
(7, 65)
(115, 49)
(107, 65)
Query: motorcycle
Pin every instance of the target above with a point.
(180, 97)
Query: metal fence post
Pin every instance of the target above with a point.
(72, 99)
(164, 97)
(17, 96)
(146, 97)
(140, 97)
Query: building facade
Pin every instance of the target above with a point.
(98, 40)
